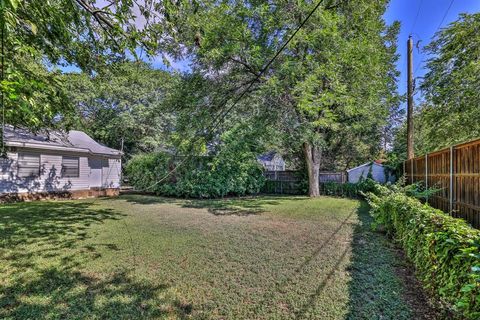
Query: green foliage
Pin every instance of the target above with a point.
(38, 36)
(128, 102)
(444, 250)
(232, 170)
(200, 177)
(451, 85)
(349, 190)
(330, 88)
(449, 114)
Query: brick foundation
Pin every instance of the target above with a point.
(73, 194)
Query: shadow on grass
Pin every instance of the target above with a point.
(230, 206)
(43, 274)
(238, 206)
(378, 290)
(144, 199)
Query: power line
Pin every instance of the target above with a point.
(438, 28)
(216, 122)
(268, 64)
(445, 15)
(416, 16)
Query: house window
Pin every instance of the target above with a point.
(28, 165)
(70, 167)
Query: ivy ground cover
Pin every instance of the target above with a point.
(150, 257)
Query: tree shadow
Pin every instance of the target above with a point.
(44, 255)
(145, 198)
(238, 206)
(382, 283)
(227, 207)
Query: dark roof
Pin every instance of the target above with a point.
(267, 156)
(73, 140)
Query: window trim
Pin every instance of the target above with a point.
(78, 167)
(21, 154)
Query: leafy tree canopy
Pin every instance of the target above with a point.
(330, 90)
(126, 102)
(39, 35)
(452, 85)
(449, 113)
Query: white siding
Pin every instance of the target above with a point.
(50, 178)
(277, 164)
(112, 173)
(378, 173)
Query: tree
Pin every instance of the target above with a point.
(330, 86)
(125, 105)
(450, 113)
(37, 36)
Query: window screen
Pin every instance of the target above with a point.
(70, 167)
(28, 165)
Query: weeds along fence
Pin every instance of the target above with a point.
(291, 182)
(455, 171)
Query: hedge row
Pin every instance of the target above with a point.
(200, 177)
(444, 250)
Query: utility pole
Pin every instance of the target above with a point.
(410, 154)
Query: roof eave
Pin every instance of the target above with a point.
(59, 148)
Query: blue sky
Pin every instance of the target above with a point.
(422, 19)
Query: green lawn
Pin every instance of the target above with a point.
(150, 257)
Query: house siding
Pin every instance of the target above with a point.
(276, 164)
(112, 173)
(50, 178)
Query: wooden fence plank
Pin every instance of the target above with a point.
(455, 172)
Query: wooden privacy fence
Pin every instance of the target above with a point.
(290, 182)
(456, 172)
(282, 182)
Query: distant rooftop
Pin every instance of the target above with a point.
(267, 156)
(77, 141)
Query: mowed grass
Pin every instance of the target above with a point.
(150, 257)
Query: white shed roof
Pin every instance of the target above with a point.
(77, 141)
(367, 164)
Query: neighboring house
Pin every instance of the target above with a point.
(379, 172)
(272, 161)
(57, 162)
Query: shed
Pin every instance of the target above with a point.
(379, 172)
(272, 161)
(57, 162)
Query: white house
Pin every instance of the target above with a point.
(55, 161)
(379, 173)
(272, 161)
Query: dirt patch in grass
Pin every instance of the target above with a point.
(423, 308)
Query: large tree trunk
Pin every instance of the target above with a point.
(312, 158)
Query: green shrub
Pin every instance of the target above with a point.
(349, 190)
(444, 250)
(196, 177)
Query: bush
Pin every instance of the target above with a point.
(444, 250)
(196, 177)
(349, 190)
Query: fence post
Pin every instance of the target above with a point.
(411, 170)
(451, 180)
(426, 174)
